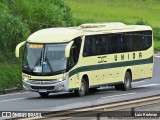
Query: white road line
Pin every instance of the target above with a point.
(119, 95)
(14, 93)
(12, 100)
(157, 56)
(148, 85)
(139, 81)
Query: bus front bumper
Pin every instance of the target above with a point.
(46, 86)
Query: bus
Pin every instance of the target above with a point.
(83, 58)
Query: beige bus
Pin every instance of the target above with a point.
(84, 58)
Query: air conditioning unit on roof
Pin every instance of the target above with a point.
(105, 24)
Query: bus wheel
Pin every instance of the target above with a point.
(83, 88)
(44, 95)
(127, 82)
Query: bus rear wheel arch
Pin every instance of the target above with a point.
(127, 84)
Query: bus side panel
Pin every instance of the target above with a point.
(72, 81)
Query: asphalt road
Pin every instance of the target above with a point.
(29, 101)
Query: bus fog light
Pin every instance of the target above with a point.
(24, 87)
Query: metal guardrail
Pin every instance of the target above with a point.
(68, 114)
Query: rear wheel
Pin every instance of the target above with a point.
(127, 82)
(44, 95)
(83, 90)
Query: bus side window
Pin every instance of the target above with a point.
(136, 41)
(147, 40)
(100, 45)
(89, 46)
(114, 43)
(74, 52)
(125, 43)
(72, 57)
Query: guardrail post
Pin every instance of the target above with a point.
(98, 116)
(132, 111)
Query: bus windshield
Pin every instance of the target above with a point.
(44, 59)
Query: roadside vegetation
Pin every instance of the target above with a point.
(20, 18)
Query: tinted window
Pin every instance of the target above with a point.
(100, 42)
(147, 40)
(89, 46)
(95, 45)
(114, 43)
(74, 52)
(136, 41)
(125, 43)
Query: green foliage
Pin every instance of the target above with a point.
(13, 30)
(43, 13)
(18, 19)
(10, 71)
(157, 45)
(156, 33)
(141, 22)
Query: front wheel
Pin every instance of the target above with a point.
(83, 90)
(44, 95)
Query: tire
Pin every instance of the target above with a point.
(43, 95)
(83, 88)
(127, 82)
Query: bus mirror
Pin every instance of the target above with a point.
(18, 47)
(67, 50)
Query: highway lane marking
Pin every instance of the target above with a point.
(12, 100)
(157, 56)
(13, 94)
(119, 95)
(139, 82)
(148, 85)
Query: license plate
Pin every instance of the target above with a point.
(42, 90)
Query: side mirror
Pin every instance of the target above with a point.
(67, 49)
(18, 47)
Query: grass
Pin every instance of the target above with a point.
(157, 45)
(126, 11)
(10, 71)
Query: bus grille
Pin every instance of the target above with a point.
(43, 87)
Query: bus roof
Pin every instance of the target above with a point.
(66, 34)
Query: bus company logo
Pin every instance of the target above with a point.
(41, 82)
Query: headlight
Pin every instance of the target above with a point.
(24, 79)
(62, 79)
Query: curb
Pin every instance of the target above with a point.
(12, 90)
